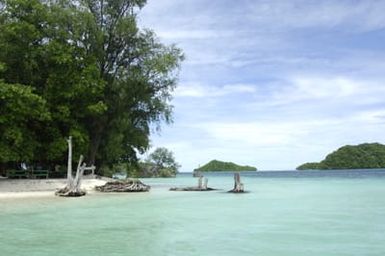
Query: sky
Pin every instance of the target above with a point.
(272, 84)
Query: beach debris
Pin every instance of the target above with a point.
(124, 186)
(72, 188)
(202, 186)
(238, 186)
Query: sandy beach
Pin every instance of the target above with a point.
(26, 188)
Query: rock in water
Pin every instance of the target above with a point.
(124, 186)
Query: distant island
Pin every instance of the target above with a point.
(217, 166)
(363, 156)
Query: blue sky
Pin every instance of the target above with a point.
(272, 84)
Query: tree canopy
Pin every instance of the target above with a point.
(161, 163)
(363, 156)
(20, 111)
(91, 72)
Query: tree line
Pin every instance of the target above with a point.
(81, 68)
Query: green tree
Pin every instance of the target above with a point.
(37, 52)
(22, 112)
(105, 81)
(138, 73)
(162, 163)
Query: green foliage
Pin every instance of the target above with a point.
(309, 166)
(363, 156)
(22, 113)
(216, 166)
(103, 80)
(163, 158)
(108, 171)
(161, 163)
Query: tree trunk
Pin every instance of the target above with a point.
(200, 182)
(69, 163)
(96, 138)
(205, 183)
(72, 189)
(238, 186)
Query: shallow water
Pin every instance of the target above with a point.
(329, 213)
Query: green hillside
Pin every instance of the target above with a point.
(215, 165)
(363, 156)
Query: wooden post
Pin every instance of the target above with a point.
(73, 183)
(205, 183)
(200, 182)
(237, 180)
(238, 186)
(69, 163)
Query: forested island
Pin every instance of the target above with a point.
(363, 156)
(215, 166)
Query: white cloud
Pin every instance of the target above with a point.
(316, 88)
(375, 117)
(257, 134)
(174, 34)
(206, 91)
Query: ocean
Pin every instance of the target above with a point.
(293, 213)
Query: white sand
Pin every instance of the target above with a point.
(25, 188)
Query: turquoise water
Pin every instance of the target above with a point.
(283, 214)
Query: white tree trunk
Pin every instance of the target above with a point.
(205, 183)
(73, 184)
(200, 182)
(69, 163)
(238, 186)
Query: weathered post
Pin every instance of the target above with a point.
(200, 182)
(69, 163)
(206, 180)
(238, 186)
(73, 184)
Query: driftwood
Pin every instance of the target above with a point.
(72, 188)
(202, 186)
(238, 186)
(124, 186)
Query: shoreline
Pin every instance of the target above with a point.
(32, 188)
